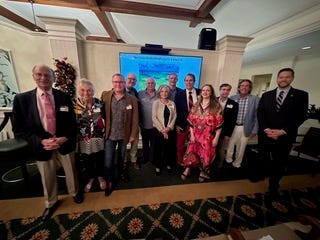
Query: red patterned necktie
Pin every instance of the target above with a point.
(50, 114)
(190, 101)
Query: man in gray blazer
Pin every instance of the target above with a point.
(246, 124)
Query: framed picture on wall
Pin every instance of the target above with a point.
(8, 83)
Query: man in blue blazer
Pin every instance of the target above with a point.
(246, 124)
(182, 105)
(279, 118)
(52, 145)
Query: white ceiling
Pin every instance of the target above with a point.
(250, 18)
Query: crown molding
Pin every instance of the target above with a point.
(295, 26)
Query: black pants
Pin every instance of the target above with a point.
(274, 155)
(148, 142)
(93, 164)
(164, 151)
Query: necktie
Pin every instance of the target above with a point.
(190, 100)
(50, 114)
(279, 100)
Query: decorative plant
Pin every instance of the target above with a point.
(65, 76)
(314, 112)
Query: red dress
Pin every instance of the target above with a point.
(201, 153)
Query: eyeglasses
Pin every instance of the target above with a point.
(117, 82)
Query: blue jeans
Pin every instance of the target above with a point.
(113, 159)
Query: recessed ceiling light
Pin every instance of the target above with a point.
(306, 47)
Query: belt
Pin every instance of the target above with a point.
(238, 124)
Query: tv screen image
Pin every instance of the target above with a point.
(159, 67)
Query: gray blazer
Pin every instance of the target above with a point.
(250, 124)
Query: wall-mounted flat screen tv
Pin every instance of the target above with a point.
(159, 67)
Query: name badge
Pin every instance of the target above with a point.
(64, 109)
(96, 110)
(229, 106)
(129, 107)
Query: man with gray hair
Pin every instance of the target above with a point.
(130, 83)
(246, 124)
(45, 118)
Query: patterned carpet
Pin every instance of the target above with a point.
(178, 220)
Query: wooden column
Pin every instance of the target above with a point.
(66, 37)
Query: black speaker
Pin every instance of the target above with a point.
(207, 39)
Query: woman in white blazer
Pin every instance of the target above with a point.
(164, 115)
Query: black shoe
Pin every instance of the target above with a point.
(47, 213)
(108, 190)
(78, 198)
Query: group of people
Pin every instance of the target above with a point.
(191, 128)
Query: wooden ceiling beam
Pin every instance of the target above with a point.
(204, 11)
(19, 20)
(101, 15)
(153, 10)
(102, 39)
(135, 8)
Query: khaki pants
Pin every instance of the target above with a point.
(48, 174)
(238, 140)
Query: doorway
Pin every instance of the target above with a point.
(261, 84)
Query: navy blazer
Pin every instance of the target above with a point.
(182, 107)
(292, 113)
(27, 123)
(230, 113)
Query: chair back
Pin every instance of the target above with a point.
(310, 144)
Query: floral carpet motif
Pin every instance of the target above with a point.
(178, 220)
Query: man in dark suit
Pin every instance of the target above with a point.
(281, 111)
(230, 112)
(45, 118)
(183, 104)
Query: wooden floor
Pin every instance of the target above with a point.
(28, 207)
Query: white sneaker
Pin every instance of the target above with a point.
(229, 160)
(236, 165)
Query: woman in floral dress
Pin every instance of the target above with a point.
(90, 125)
(205, 120)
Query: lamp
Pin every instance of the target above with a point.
(36, 28)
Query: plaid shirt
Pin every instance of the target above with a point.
(243, 108)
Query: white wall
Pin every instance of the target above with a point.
(101, 59)
(26, 51)
(307, 74)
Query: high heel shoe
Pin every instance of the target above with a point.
(102, 184)
(158, 171)
(185, 174)
(88, 186)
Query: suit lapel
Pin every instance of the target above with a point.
(35, 107)
(289, 97)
